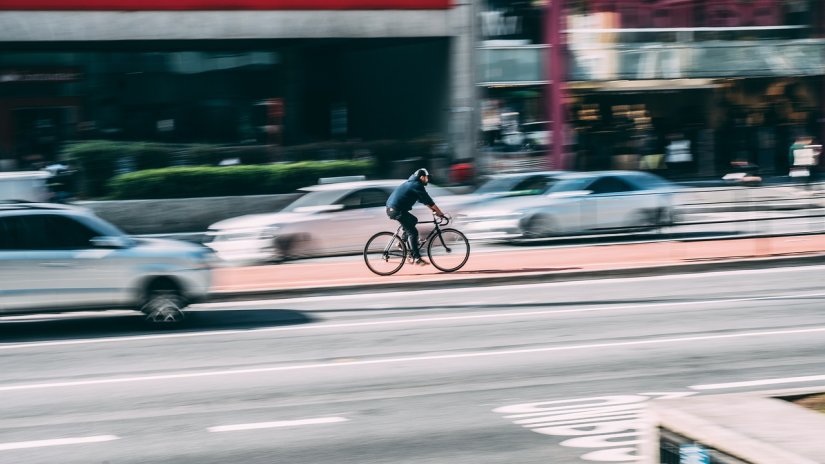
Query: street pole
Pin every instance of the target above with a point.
(555, 67)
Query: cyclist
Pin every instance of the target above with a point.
(401, 202)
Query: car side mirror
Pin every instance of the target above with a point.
(111, 242)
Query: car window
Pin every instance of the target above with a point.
(535, 184)
(436, 191)
(317, 198)
(609, 185)
(44, 232)
(12, 234)
(367, 198)
(569, 185)
(501, 184)
(650, 181)
(373, 198)
(67, 233)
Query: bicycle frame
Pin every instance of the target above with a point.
(393, 247)
(436, 231)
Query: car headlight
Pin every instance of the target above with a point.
(489, 215)
(269, 232)
(256, 233)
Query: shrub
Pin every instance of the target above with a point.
(100, 160)
(205, 181)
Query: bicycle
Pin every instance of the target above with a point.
(448, 249)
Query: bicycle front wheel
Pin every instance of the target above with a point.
(385, 253)
(449, 251)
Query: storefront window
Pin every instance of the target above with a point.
(177, 96)
(515, 21)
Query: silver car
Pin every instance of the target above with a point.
(63, 258)
(576, 203)
(329, 219)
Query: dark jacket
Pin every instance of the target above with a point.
(406, 194)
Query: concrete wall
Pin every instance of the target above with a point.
(755, 428)
(184, 214)
(464, 94)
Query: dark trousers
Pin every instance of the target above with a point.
(408, 222)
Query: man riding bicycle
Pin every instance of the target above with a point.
(401, 202)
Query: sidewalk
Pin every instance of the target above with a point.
(745, 199)
(522, 264)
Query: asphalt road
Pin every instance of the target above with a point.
(506, 374)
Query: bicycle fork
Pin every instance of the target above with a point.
(441, 239)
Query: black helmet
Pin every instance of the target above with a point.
(422, 172)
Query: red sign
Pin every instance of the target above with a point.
(149, 5)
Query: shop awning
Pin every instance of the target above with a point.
(644, 85)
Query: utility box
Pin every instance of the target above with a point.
(24, 186)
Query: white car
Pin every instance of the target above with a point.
(576, 203)
(64, 258)
(516, 184)
(329, 219)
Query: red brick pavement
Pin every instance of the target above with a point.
(517, 262)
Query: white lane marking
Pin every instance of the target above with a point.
(64, 315)
(270, 425)
(498, 288)
(756, 383)
(57, 442)
(606, 428)
(409, 320)
(437, 357)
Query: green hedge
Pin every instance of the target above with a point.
(209, 181)
(100, 160)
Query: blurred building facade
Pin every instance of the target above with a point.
(280, 72)
(738, 79)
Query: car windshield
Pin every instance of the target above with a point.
(529, 185)
(501, 184)
(570, 185)
(436, 191)
(650, 181)
(317, 198)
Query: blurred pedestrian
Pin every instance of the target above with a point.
(803, 158)
(678, 156)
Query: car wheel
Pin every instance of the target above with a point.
(667, 217)
(538, 227)
(291, 247)
(164, 304)
(277, 250)
(651, 219)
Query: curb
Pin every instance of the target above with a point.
(543, 277)
(749, 209)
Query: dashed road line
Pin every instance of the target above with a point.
(57, 442)
(409, 359)
(276, 424)
(757, 383)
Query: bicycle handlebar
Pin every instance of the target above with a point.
(442, 221)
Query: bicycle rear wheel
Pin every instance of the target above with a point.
(385, 253)
(449, 252)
